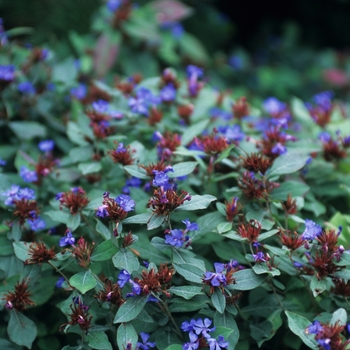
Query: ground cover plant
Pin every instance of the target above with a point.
(164, 213)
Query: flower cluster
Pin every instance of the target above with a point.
(111, 293)
(75, 200)
(20, 298)
(328, 336)
(122, 155)
(39, 253)
(80, 315)
(82, 252)
(200, 337)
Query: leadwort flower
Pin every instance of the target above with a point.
(75, 200)
(80, 316)
(145, 345)
(68, 239)
(250, 230)
(256, 162)
(20, 298)
(122, 155)
(312, 230)
(220, 278)
(39, 253)
(111, 293)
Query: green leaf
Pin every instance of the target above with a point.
(138, 219)
(287, 163)
(318, 286)
(190, 272)
(197, 202)
(90, 167)
(6, 247)
(339, 220)
(298, 324)
(83, 281)
(186, 292)
(339, 316)
(21, 329)
(260, 268)
(103, 230)
(136, 171)
(28, 130)
(75, 134)
(21, 250)
(246, 279)
(344, 274)
(155, 221)
(16, 231)
(130, 309)
(182, 169)
(224, 227)
(174, 347)
(125, 259)
(194, 130)
(73, 221)
(294, 188)
(104, 251)
(98, 340)
(5, 183)
(344, 259)
(126, 334)
(225, 153)
(198, 302)
(226, 320)
(58, 216)
(268, 234)
(218, 300)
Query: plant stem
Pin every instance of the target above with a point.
(61, 273)
(164, 307)
(88, 224)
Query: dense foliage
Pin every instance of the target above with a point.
(158, 211)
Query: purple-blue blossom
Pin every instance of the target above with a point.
(46, 145)
(26, 88)
(217, 344)
(203, 327)
(314, 328)
(68, 239)
(188, 326)
(145, 345)
(79, 92)
(194, 71)
(312, 230)
(190, 226)
(168, 93)
(259, 257)
(273, 106)
(160, 178)
(16, 193)
(175, 238)
(60, 282)
(2, 162)
(113, 5)
(123, 277)
(193, 344)
(101, 211)
(100, 106)
(37, 225)
(216, 278)
(125, 202)
(28, 175)
(232, 132)
(138, 105)
(279, 149)
(7, 72)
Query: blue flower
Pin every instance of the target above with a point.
(138, 105)
(324, 136)
(160, 179)
(123, 278)
(193, 344)
(145, 345)
(168, 93)
(202, 327)
(79, 92)
(273, 106)
(60, 282)
(46, 145)
(2, 162)
(188, 326)
(125, 202)
(7, 73)
(194, 71)
(26, 88)
(102, 211)
(136, 288)
(67, 240)
(100, 106)
(37, 225)
(175, 238)
(59, 195)
(312, 230)
(28, 175)
(232, 132)
(314, 328)
(15, 193)
(216, 278)
(259, 257)
(279, 149)
(217, 344)
(190, 226)
(113, 5)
